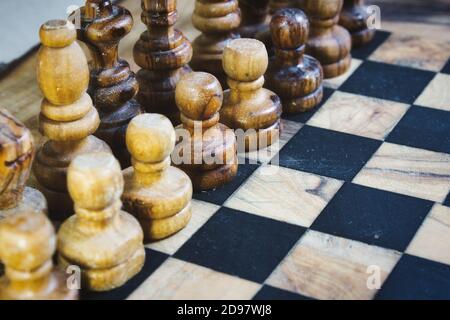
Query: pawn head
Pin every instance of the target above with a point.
(150, 138)
(245, 60)
(199, 95)
(27, 240)
(57, 33)
(95, 180)
(289, 28)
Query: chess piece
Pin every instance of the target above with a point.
(294, 76)
(112, 84)
(254, 17)
(67, 116)
(328, 42)
(354, 17)
(207, 153)
(163, 53)
(217, 19)
(16, 156)
(27, 244)
(105, 242)
(247, 105)
(157, 194)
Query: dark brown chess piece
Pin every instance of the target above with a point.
(163, 53)
(254, 17)
(354, 18)
(328, 42)
(16, 156)
(217, 19)
(112, 83)
(247, 105)
(206, 149)
(27, 244)
(294, 76)
(68, 118)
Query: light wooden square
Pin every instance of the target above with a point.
(437, 93)
(327, 267)
(413, 51)
(432, 241)
(201, 212)
(410, 171)
(335, 83)
(285, 194)
(288, 130)
(359, 115)
(180, 280)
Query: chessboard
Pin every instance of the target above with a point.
(353, 203)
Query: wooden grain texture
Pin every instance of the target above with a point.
(100, 238)
(156, 193)
(354, 17)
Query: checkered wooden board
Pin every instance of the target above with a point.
(357, 191)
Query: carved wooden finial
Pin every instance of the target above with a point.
(218, 21)
(103, 240)
(163, 53)
(209, 153)
(67, 116)
(157, 194)
(113, 85)
(27, 244)
(16, 157)
(328, 42)
(247, 105)
(293, 75)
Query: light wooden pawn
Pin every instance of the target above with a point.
(206, 149)
(247, 105)
(105, 242)
(16, 156)
(68, 118)
(27, 243)
(156, 193)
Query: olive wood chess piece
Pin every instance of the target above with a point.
(247, 105)
(328, 42)
(163, 53)
(294, 76)
(68, 118)
(27, 244)
(157, 194)
(206, 149)
(354, 17)
(105, 242)
(254, 17)
(112, 84)
(16, 156)
(217, 19)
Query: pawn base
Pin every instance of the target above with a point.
(336, 69)
(362, 37)
(263, 138)
(303, 104)
(32, 201)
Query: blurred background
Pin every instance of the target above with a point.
(20, 20)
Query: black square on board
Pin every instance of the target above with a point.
(446, 68)
(240, 244)
(327, 153)
(365, 51)
(414, 278)
(271, 293)
(447, 201)
(387, 81)
(220, 195)
(373, 216)
(153, 259)
(424, 128)
(303, 117)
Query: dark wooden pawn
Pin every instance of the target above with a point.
(294, 76)
(163, 53)
(217, 19)
(354, 18)
(328, 42)
(112, 83)
(254, 17)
